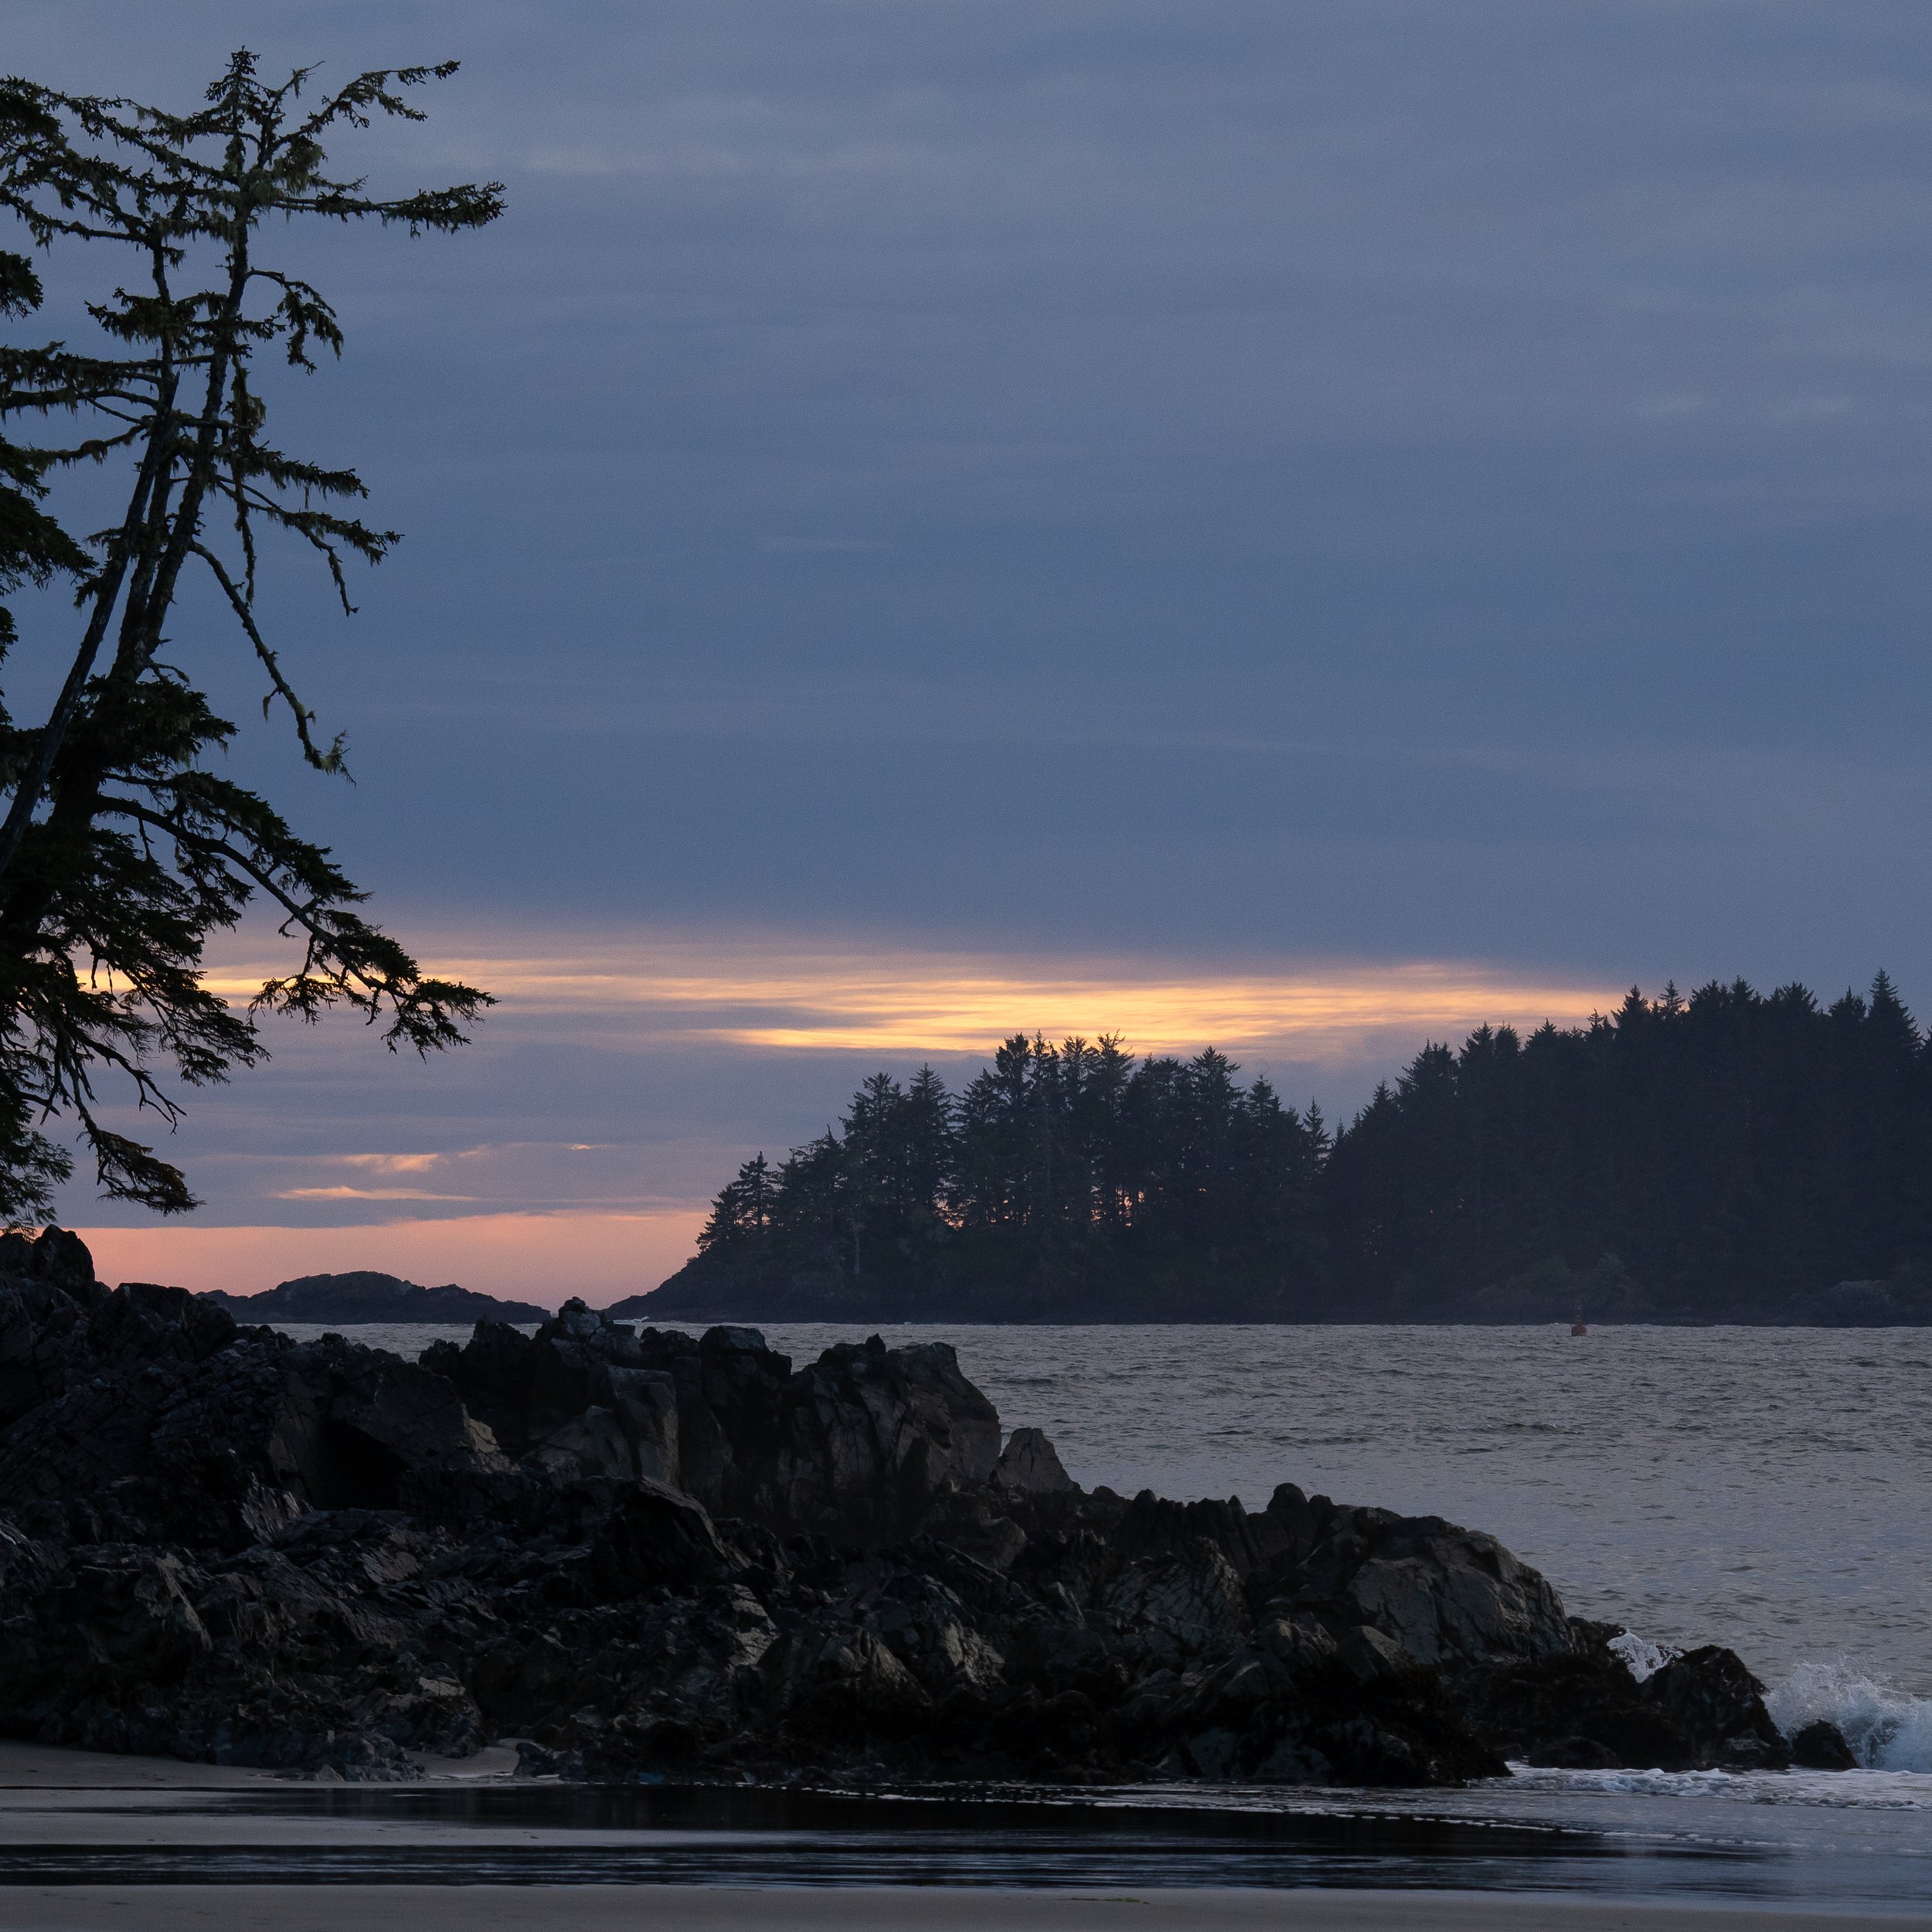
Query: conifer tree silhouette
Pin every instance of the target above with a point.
(121, 851)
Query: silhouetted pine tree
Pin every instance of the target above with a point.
(1729, 1153)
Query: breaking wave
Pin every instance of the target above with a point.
(1889, 1730)
(1643, 1659)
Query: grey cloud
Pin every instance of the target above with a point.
(1370, 474)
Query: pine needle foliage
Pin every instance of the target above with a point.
(122, 850)
(1728, 1155)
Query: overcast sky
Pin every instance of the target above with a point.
(1322, 522)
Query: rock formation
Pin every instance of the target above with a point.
(648, 1555)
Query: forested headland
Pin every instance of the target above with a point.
(1733, 1155)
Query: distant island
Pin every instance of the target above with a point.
(364, 1295)
(635, 1307)
(1731, 1156)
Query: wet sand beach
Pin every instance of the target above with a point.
(371, 1908)
(301, 1856)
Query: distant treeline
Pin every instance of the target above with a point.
(1731, 1155)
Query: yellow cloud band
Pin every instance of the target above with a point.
(769, 996)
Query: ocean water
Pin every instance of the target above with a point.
(1771, 1489)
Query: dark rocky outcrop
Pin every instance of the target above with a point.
(649, 1554)
(1821, 1745)
(364, 1295)
(1584, 1709)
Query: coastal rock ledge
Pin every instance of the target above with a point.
(650, 1556)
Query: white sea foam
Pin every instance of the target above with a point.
(1888, 1729)
(1645, 1659)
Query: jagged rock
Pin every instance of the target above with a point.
(860, 1443)
(1029, 1466)
(730, 1392)
(1301, 1650)
(1711, 1694)
(979, 1523)
(1368, 1656)
(924, 1625)
(656, 1554)
(53, 1257)
(871, 1437)
(1175, 1608)
(1447, 1595)
(1151, 1527)
(394, 1420)
(827, 1677)
(1821, 1745)
(1701, 1712)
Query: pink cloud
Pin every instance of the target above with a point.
(537, 1257)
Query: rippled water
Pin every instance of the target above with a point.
(1767, 1488)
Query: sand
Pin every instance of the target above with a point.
(34, 1769)
(424, 1908)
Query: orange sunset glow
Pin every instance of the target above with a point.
(440, 1216)
(542, 1257)
(772, 996)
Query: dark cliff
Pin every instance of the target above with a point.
(651, 1555)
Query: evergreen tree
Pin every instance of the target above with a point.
(121, 851)
(744, 1210)
(929, 1145)
(1724, 1153)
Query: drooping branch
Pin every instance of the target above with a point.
(163, 207)
(243, 607)
(347, 961)
(120, 850)
(105, 589)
